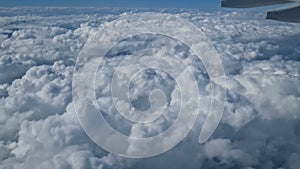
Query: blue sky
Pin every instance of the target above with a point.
(198, 4)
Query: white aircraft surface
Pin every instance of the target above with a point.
(289, 14)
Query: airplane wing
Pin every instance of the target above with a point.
(290, 14)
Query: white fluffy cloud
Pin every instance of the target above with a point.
(39, 128)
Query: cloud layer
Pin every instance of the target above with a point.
(39, 128)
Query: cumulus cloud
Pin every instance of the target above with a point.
(39, 128)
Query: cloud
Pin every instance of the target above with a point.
(39, 127)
